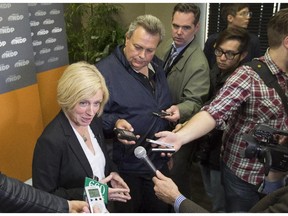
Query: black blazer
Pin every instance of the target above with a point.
(59, 163)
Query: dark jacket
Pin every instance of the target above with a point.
(188, 78)
(17, 197)
(276, 202)
(59, 163)
(131, 100)
(210, 145)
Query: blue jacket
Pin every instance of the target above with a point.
(130, 100)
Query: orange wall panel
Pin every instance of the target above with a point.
(47, 82)
(20, 126)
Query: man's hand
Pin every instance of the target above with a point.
(169, 137)
(175, 113)
(165, 189)
(281, 139)
(76, 206)
(123, 124)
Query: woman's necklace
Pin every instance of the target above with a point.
(84, 137)
(83, 134)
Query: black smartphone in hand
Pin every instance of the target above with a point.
(161, 114)
(125, 134)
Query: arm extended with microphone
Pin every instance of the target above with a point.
(140, 152)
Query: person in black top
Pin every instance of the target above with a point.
(17, 197)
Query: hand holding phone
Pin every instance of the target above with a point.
(161, 114)
(167, 145)
(125, 134)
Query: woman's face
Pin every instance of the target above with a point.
(85, 110)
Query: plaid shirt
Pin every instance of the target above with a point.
(243, 102)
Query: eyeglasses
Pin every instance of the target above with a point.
(229, 54)
(246, 14)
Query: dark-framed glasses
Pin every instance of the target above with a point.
(228, 54)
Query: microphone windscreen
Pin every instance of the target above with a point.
(140, 152)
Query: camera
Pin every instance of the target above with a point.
(263, 143)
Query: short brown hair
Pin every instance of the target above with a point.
(188, 8)
(231, 9)
(277, 28)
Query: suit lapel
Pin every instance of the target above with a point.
(75, 145)
(184, 55)
(180, 60)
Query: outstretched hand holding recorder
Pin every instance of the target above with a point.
(166, 147)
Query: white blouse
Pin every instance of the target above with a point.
(97, 161)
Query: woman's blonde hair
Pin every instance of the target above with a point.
(78, 82)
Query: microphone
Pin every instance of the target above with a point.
(140, 152)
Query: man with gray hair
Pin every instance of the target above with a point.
(138, 88)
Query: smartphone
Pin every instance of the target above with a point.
(161, 114)
(94, 198)
(164, 150)
(125, 134)
(159, 143)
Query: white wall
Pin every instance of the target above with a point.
(201, 38)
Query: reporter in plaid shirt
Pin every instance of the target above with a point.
(243, 102)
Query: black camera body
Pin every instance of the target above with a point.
(262, 144)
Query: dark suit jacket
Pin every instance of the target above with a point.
(188, 206)
(276, 202)
(59, 163)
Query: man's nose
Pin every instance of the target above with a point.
(142, 53)
(179, 30)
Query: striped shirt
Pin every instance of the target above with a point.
(243, 102)
(178, 202)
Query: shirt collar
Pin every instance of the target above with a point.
(150, 67)
(179, 49)
(271, 64)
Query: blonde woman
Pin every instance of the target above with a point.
(72, 146)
